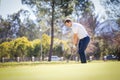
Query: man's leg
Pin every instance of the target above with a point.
(82, 47)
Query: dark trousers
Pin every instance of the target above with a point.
(83, 43)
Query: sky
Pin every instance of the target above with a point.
(12, 6)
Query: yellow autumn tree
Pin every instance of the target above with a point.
(35, 51)
(5, 50)
(21, 46)
(45, 43)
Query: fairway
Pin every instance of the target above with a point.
(68, 71)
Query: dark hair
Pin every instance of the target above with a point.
(67, 21)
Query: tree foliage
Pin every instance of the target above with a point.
(112, 8)
(14, 26)
(5, 49)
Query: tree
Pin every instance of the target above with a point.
(116, 45)
(34, 48)
(118, 21)
(21, 45)
(112, 8)
(5, 27)
(5, 50)
(84, 8)
(18, 25)
(45, 43)
(57, 48)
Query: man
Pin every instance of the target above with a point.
(80, 37)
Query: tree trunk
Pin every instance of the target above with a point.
(52, 31)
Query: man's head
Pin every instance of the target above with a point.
(68, 23)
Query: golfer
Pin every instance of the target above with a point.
(80, 38)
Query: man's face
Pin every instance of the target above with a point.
(68, 24)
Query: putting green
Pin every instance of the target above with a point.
(73, 71)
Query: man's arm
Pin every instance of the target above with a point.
(75, 39)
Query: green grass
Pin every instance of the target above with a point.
(61, 71)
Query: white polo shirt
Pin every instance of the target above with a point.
(80, 30)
